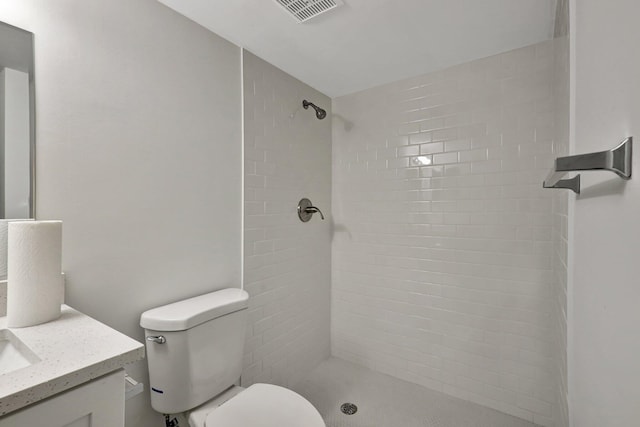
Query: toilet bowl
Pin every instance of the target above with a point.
(260, 405)
(194, 353)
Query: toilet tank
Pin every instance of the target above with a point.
(197, 352)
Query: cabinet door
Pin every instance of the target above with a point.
(99, 403)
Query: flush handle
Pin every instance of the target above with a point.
(306, 210)
(158, 339)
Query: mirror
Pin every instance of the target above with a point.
(17, 123)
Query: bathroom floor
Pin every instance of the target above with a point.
(384, 401)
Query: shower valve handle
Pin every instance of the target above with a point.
(313, 209)
(306, 210)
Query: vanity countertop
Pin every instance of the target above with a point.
(72, 350)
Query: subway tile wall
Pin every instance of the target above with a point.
(562, 19)
(443, 247)
(287, 263)
(561, 215)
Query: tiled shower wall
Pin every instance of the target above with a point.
(560, 215)
(443, 237)
(287, 263)
(561, 236)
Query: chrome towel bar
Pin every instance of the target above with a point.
(616, 160)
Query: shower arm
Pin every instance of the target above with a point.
(320, 113)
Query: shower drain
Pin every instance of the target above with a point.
(348, 408)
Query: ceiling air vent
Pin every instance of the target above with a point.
(303, 10)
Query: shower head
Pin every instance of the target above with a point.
(320, 113)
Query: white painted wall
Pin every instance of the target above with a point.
(443, 248)
(139, 153)
(17, 143)
(604, 360)
(287, 262)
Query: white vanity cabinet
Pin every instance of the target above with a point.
(98, 403)
(74, 375)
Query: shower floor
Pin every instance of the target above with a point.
(384, 401)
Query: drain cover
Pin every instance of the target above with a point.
(348, 408)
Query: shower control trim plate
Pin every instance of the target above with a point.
(306, 210)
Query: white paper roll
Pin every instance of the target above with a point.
(34, 272)
(3, 298)
(4, 224)
(3, 247)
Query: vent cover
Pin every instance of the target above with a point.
(303, 10)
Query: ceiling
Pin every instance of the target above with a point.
(366, 43)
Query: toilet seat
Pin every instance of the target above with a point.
(265, 405)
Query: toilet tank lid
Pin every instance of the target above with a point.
(191, 312)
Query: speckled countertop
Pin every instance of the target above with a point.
(72, 350)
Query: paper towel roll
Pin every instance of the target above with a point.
(4, 223)
(3, 247)
(34, 272)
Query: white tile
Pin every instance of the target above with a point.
(439, 159)
(283, 277)
(452, 260)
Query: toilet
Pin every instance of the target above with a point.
(194, 352)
